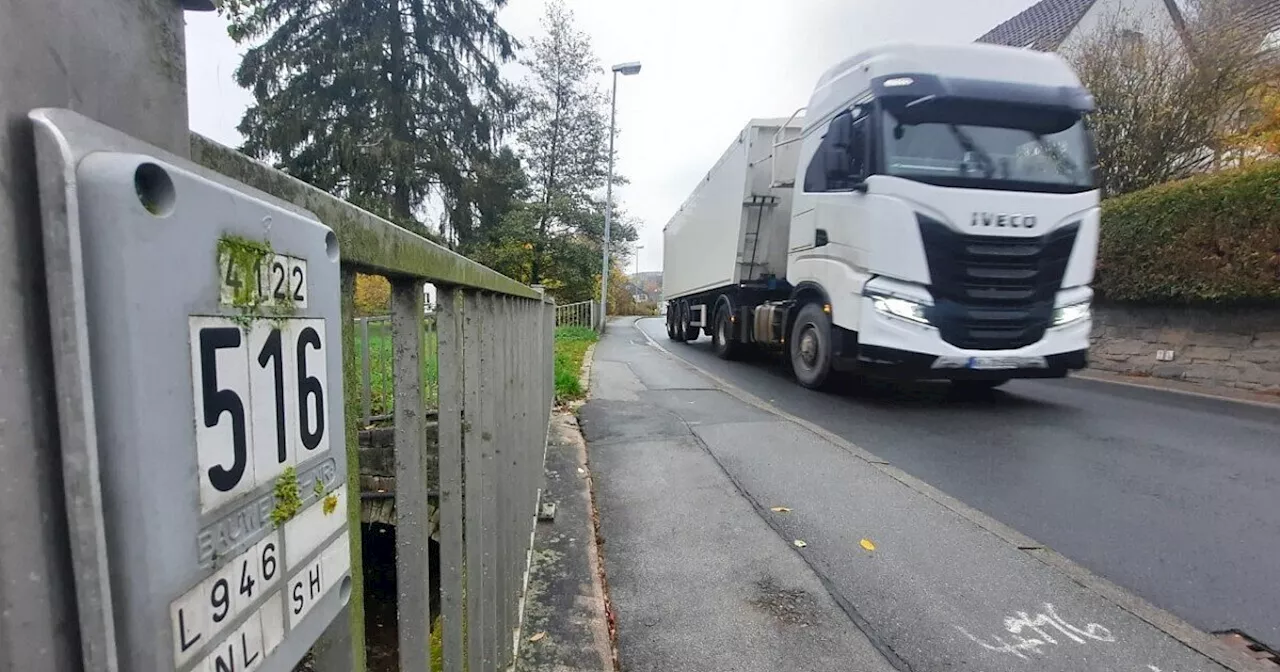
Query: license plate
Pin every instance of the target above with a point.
(989, 363)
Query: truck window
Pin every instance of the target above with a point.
(841, 157)
(987, 145)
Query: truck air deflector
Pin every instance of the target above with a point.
(917, 86)
(993, 292)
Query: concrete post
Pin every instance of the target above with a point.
(121, 62)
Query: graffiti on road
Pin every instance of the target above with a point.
(1032, 634)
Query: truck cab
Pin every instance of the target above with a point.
(944, 218)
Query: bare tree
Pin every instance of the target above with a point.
(1165, 101)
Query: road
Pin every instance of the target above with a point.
(1174, 497)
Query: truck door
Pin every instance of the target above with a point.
(824, 241)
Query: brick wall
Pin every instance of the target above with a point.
(1238, 347)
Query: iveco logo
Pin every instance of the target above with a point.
(1004, 220)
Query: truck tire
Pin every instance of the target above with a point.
(671, 325)
(722, 340)
(689, 331)
(810, 347)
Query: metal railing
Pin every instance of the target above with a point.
(493, 340)
(377, 393)
(580, 314)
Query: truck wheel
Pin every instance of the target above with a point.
(726, 346)
(690, 332)
(810, 347)
(671, 329)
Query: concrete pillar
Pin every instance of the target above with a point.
(121, 62)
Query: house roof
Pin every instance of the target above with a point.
(1043, 25)
(1047, 23)
(1256, 18)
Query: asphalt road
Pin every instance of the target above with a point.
(1174, 497)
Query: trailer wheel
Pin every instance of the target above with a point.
(726, 346)
(689, 331)
(810, 347)
(675, 317)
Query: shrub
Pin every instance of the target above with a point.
(1210, 239)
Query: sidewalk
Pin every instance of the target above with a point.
(866, 569)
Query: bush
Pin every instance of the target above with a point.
(1211, 239)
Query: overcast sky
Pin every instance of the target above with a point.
(708, 67)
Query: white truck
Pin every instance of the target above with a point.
(932, 214)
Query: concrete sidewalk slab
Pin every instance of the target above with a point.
(686, 476)
(698, 581)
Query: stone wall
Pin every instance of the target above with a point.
(1237, 347)
(378, 475)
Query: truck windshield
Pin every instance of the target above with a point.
(987, 146)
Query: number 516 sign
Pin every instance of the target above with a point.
(260, 390)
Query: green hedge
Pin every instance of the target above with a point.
(1212, 239)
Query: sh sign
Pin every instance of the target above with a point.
(212, 326)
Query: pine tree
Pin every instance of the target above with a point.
(381, 102)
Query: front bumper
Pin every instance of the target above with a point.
(893, 363)
(894, 347)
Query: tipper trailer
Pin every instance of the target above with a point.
(933, 214)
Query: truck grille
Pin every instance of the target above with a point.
(994, 292)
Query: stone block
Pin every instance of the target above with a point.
(1123, 346)
(1174, 337)
(1206, 372)
(1165, 370)
(1221, 339)
(1266, 339)
(1205, 353)
(1260, 377)
(1257, 355)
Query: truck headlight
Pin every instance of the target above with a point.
(1069, 314)
(901, 308)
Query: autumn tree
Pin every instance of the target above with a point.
(381, 102)
(1163, 100)
(563, 135)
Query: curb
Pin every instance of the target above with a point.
(1175, 386)
(584, 372)
(596, 549)
(1164, 621)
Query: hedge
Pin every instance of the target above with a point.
(1210, 239)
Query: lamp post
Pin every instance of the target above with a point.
(638, 248)
(625, 69)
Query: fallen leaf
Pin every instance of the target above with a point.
(866, 543)
(538, 636)
(780, 509)
(800, 543)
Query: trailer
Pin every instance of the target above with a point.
(726, 247)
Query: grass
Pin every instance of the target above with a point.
(380, 363)
(571, 346)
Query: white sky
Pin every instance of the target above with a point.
(708, 67)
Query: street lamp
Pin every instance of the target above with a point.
(631, 68)
(638, 248)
